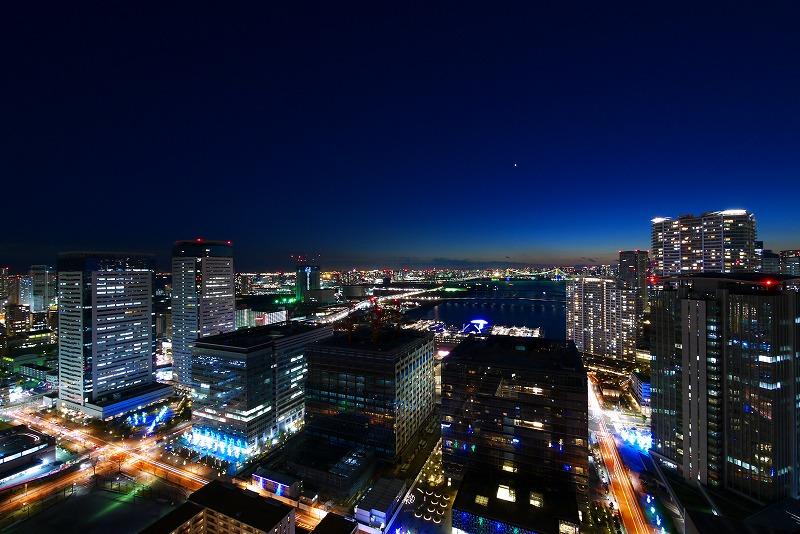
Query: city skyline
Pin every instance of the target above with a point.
(455, 136)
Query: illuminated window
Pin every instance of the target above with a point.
(505, 493)
(480, 499)
(537, 499)
(510, 467)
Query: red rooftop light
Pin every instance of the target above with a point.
(768, 282)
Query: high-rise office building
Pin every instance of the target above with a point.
(19, 290)
(718, 241)
(633, 266)
(203, 298)
(724, 375)
(307, 280)
(515, 413)
(790, 262)
(43, 290)
(250, 384)
(373, 389)
(5, 281)
(105, 334)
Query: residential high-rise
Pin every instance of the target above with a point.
(517, 408)
(790, 262)
(43, 291)
(307, 280)
(105, 333)
(724, 375)
(203, 298)
(250, 384)
(718, 241)
(373, 389)
(604, 317)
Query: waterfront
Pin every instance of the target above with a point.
(533, 303)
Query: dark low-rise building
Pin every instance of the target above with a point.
(493, 502)
(221, 507)
(22, 448)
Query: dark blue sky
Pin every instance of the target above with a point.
(387, 133)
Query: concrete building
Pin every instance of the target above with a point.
(18, 319)
(203, 298)
(717, 241)
(519, 406)
(250, 384)
(105, 333)
(724, 411)
(221, 507)
(370, 388)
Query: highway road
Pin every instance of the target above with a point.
(621, 487)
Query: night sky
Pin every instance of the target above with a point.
(393, 133)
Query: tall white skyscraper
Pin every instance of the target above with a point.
(105, 333)
(714, 242)
(203, 298)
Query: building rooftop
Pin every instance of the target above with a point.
(202, 248)
(243, 505)
(382, 495)
(335, 524)
(748, 277)
(36, 367)
(255, 338)
(388, 340)
(174, 519)
(130, 393)
(488, 494)
(20, 438)
(104, 261)
(527, 353)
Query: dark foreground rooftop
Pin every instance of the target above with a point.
(518, 352)
(478, 496)
(255, 338)
(387, 340)
(243, 505)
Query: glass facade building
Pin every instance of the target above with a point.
(724, 377)
(250, 384)
(370, 389)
